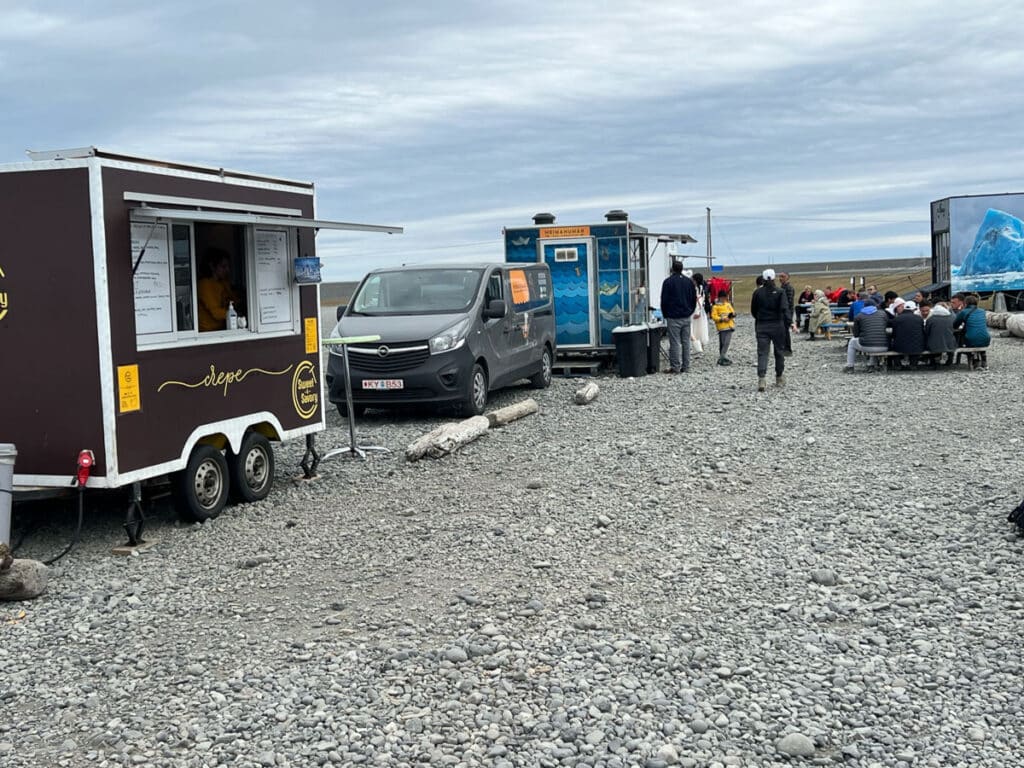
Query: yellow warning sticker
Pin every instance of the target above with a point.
(312, 337)
(128, 395)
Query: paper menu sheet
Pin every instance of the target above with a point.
(154, 305)
(273, 287)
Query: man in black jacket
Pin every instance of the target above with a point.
(870, 333)
(770, 309)
(907, 332)
(678, 303)
(785, 285)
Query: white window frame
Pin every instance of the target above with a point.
(192, 337)
(563, 255)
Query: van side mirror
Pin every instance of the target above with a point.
(495, 309)
(340, 311)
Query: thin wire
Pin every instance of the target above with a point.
(820, 218)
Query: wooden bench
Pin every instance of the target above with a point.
(975, 357)
(826, 329)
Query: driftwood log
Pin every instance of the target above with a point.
(447, 438)
(587, 393)
(997, 319)
(1015, 325)
(503, 416)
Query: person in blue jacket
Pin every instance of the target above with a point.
(971, 321)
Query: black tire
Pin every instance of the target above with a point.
(201, 488)
(358, 409)
(252, 469)
(475, 400)
(542, 379)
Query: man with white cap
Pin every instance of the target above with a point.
(907, 331)
(770, 310)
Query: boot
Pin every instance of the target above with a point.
(780, 381)
(762, 384)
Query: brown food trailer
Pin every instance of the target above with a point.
(116, 333)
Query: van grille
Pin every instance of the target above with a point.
(367, 358)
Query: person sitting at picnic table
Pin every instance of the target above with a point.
(907, 333)
(888, 300)
(806, 297)
(821, 314)
(834, 296)
(858, 305)
(875, 296)
(938, 332)
(971, 322)
(870, 334)
(844, 298)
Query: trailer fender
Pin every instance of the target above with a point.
(228, 434)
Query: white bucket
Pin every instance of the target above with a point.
(8, 453)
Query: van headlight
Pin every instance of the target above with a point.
(335, 349)
(449, 338)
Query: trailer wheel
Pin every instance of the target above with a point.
(201, 489)
(252, 469)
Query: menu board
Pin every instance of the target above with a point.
(273, 288)
(154, 305)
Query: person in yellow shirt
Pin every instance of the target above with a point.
(215, 292)
(724, 317)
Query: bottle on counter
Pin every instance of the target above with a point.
(232, 317)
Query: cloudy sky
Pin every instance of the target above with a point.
(814, 131)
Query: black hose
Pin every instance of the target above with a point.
(78, 528)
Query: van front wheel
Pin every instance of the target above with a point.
(542, 379)
(476, 394)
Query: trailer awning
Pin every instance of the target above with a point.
(147, 213)
(677, 237)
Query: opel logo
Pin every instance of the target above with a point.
(383, 351)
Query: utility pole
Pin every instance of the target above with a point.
(709, 238)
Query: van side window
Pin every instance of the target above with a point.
(540, 287)
(494, 287)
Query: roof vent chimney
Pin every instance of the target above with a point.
(544, 218)
(617, 214)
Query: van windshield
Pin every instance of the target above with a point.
(417, 292)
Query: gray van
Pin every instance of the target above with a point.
(449, 334)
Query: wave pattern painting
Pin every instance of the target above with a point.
(572, 298)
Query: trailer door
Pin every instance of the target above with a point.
(572, 268)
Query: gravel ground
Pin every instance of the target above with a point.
(684, 572)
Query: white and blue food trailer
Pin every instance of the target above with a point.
(602, 274)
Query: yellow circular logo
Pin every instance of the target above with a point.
(3, 298)
(305, 390)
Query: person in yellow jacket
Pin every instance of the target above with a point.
(215, 292)
(724, 317)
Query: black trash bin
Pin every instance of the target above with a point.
(631, 349)
(655, 333)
